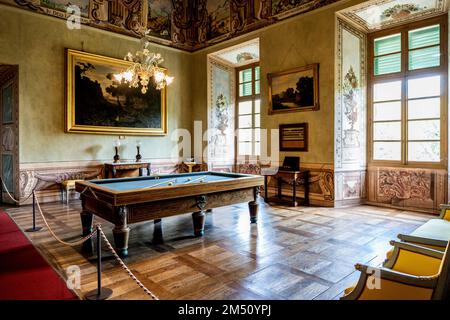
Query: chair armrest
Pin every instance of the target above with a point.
(388, 274)
(420, 240)
(417, 249)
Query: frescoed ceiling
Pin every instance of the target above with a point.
(185, 24)
(374, 15)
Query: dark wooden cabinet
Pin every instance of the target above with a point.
(126, 169)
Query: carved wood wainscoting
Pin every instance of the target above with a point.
(46, 177)
(412, 189)
(321, 182)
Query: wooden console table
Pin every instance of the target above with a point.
(287, 177)
(111, 168)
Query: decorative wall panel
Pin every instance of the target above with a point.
(46, 177)
(423, 189)
(221, 112)
(350, 114)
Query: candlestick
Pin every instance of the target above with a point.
(116, 147)
(138, 147)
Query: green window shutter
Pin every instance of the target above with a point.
(424, 37)
(389, 44)
(387, 54)
(427, 38)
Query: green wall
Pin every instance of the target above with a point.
(36, 43)
(302, 40)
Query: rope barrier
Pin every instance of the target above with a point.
(124, 266)
(70, 244)
(90, 189)
(10, 195)
(85, 238)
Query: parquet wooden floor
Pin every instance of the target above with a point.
(292, 253)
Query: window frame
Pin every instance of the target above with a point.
(404, 75)
(254, 96)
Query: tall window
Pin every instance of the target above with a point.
(407, 93)
(248, 110)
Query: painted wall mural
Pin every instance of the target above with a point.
(350, 115)
(221, 116)
(185, 24)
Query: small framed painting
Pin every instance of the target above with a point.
(294, 90)
(294, 137)
(99, 103)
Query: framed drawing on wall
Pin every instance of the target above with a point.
(98, 103)
(294, 137)
(294, 90)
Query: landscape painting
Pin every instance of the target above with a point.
(98, 103)
(61, 5)
(218, 18)
(159, 19)
(294, 90)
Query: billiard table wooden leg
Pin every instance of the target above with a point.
(121, 232)
(253, 207)
(121, 235)
(199, 223)
(87, 219)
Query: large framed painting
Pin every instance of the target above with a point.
(294, 90)
(294, 137)
(98, 103)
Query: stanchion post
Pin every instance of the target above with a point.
(100, 293)
(34, 228)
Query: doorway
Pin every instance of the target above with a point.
(9, 130)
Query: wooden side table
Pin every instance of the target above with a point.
(287, 177)
(112, 168)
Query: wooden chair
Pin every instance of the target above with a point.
(406, 279)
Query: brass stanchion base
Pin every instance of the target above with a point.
(34, 229)
(104, 294)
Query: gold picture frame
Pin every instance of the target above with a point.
(284, 94)
(96, 72)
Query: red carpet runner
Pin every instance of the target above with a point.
(24, 274)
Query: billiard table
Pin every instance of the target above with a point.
(124, 201)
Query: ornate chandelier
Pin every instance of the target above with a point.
(145, 65)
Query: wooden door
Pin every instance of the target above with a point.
(9, 130)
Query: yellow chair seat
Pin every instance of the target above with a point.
(69, 184)
(66, 186)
